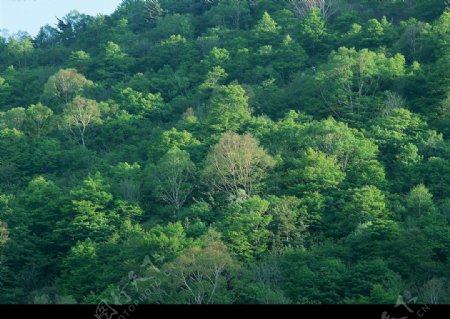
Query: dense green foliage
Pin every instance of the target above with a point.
(228, 151)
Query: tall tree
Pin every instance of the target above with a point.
(173, 178)
(200, 275)
(20, 50)
(79, 114)
(303, 7)
(246, 228)
(351, 76)
(419, 202)
(65, 85)
(236, 163)
(38, 118)
(228, 109)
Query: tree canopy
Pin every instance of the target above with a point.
(228, 151)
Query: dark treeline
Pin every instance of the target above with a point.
(228, 151)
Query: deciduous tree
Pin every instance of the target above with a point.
(65, 85)
(173, 178)
(236, 163)
(38, 118)
(79, 114)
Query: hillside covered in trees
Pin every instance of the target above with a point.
(228, 152)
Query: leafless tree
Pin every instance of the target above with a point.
(3, 233)
(434, 289)
(303, 7)
(129, 189)
(393, 101)
(154, 9)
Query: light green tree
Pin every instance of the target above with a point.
(228, 108)
(173, 178)
(79, 114)
(38, 118)
(419, 202)
(65, 84)
(246, 228)
(236, 163)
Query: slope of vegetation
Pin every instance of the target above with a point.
(228, 151)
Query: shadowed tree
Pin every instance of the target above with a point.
(173, 177)
(200, 275)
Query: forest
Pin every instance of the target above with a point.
(228, 152)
